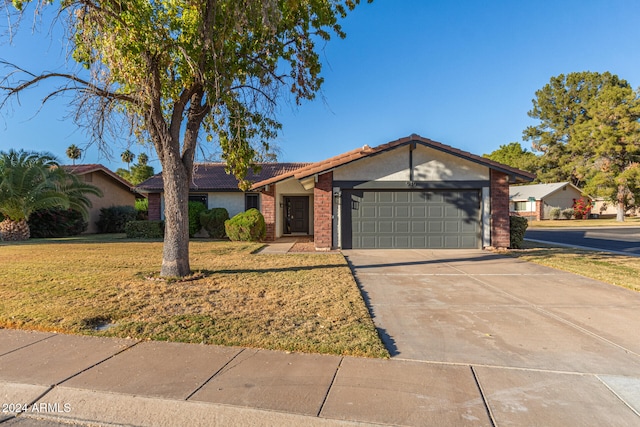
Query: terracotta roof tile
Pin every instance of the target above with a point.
(213, 177)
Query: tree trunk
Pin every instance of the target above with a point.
(621, 199)
(14, 230)
(175, 252)
(620, 212)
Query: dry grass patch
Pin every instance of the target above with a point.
(577, 223)
(611, 268)
(295, 302)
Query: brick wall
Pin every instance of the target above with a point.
(499, 210)
(323, 211)
(268, 209)
(154, 206)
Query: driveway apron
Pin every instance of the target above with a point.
(535, 338)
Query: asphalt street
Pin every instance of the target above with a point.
(615, 239)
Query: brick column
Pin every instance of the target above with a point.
(539, 210)
(499, 210)
(154, 206)
(323, 211)
(268, 209)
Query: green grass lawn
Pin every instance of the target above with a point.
(294, 302)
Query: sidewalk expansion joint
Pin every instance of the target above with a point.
(326, 396)
(492, 420)
(214, 374)
(627, 404)
(98, 363)
(28, 345)
(29, 405)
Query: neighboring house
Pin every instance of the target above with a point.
(607, 208)
(409, 193)
(116, 191)
(535, 202)
(215, 188)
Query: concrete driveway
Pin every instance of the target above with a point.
(537, 340)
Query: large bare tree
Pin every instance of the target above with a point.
(175, 69)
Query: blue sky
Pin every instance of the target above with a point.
(460, 72)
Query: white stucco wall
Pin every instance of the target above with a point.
(390, 166)
(434, 165)
(429, 165)
(232, 202)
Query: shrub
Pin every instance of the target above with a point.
(113, 219)
(56, 222)
(142, 209)
(555, 213)
(144, 229)
(517, 227)
(195, 209)
(581, 208)
(246, 226)
(213, 221)
(567, 213)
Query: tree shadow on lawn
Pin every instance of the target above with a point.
(271, 270)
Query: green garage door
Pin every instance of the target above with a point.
(415, 219)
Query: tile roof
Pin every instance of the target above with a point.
(213, 177)
(94, 167)
(359, 153)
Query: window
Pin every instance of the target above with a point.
(201, 198)
(520, 206)
(251, 200)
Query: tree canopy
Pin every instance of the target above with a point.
(173, 69)
(514, 155)
(589, 133)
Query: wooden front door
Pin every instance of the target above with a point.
(296, 214)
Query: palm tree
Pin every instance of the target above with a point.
(143, 159)
(74, 153)
(127, 157)
(30, 181)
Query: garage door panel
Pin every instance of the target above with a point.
(403, 242)
(418, 211)
(418, 227)
(468, 226)
(385, 227)
(385, 211)
(401, 212)
(435, 211)
(403, 227)
(368, 227)
(415, 219)
(452, 227)
(402, 197)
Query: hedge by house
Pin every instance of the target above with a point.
(144, 229)
(213, 221)
(195, 209)
(113, 219)
(517, 227)
(56, 222)
(246, 226)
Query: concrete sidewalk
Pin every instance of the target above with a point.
(82, 379)
(109, 381)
